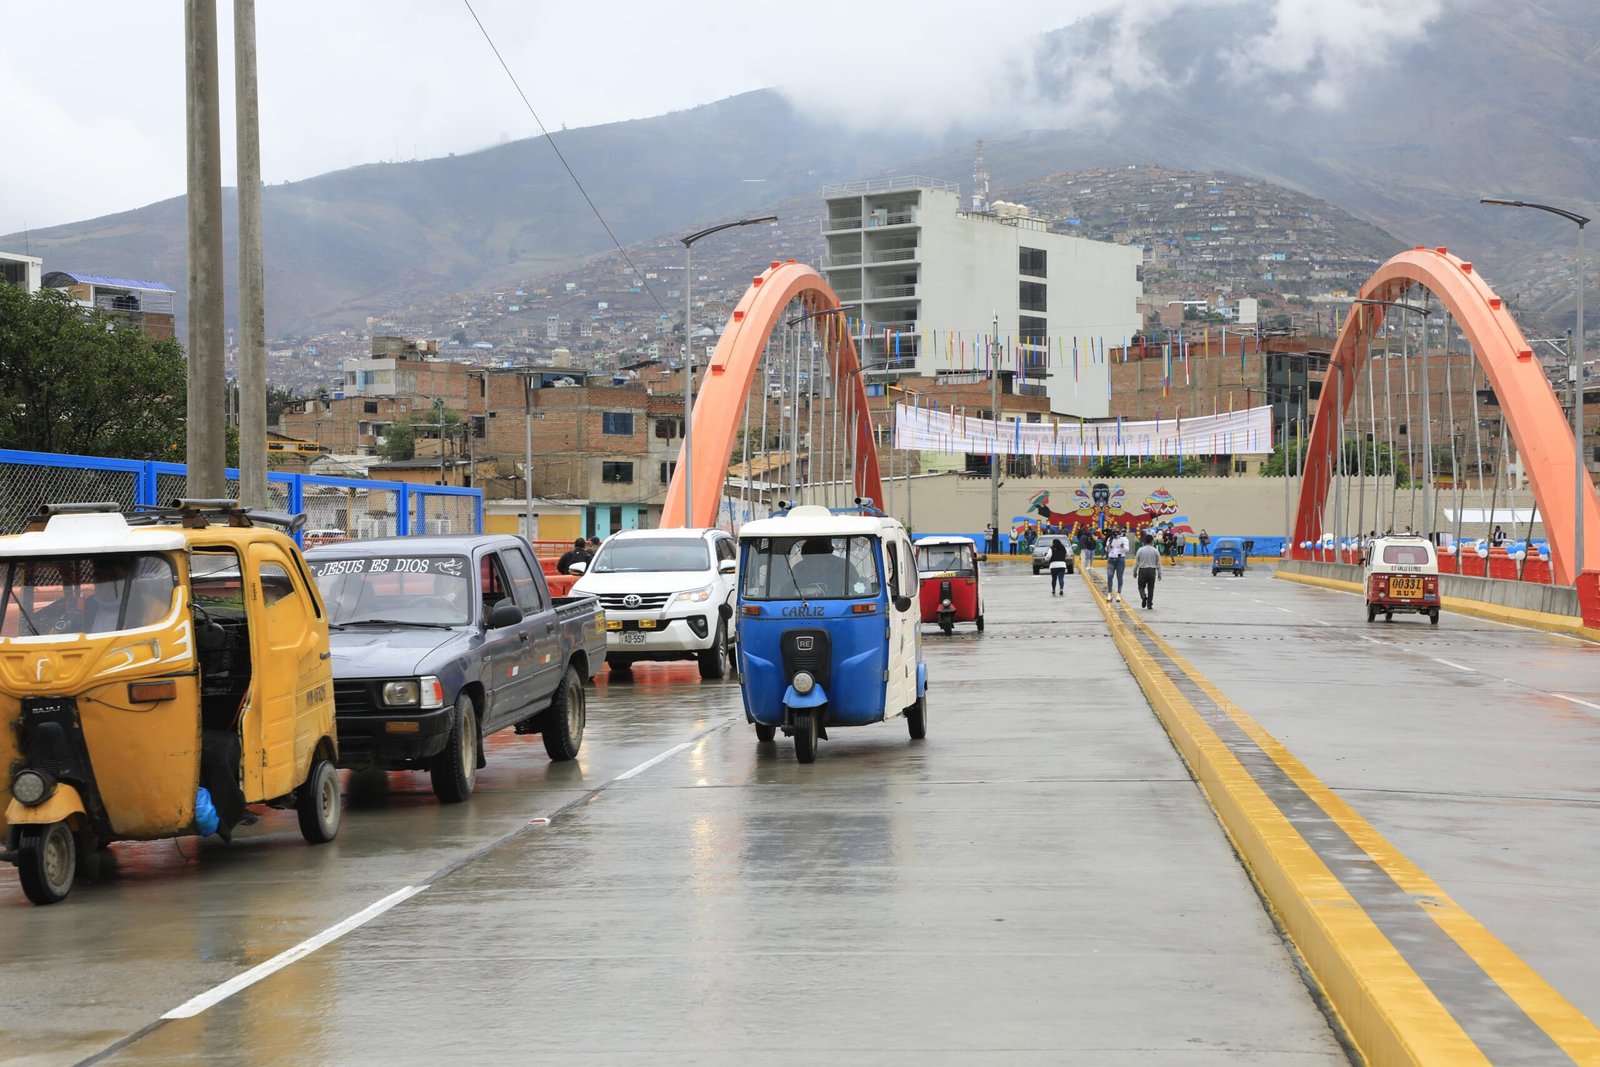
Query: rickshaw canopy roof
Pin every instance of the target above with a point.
(93, 533)
(937, 540)
(811, 520)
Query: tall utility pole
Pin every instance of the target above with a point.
(252, 315)
(206, 438)
(994, 420)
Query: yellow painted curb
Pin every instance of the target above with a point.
(1534, 620)
(1388, 1012)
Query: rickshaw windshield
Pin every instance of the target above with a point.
(944, 559)
(810, 568)
(409, 589)
(89, 594)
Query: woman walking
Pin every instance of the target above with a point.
(1058, 567)
(1116, 564)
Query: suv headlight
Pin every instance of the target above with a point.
(426, 692)
(692, 596)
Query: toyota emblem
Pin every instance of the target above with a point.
(632, 600)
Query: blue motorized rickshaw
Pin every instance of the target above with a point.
(1227, 554)
(829, 626)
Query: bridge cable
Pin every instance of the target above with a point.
(1477, 445)
(570, 173)
(1450, 402)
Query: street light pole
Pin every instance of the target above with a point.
(688, 354)
(994, 421)
(1580, 473)
(527, 455)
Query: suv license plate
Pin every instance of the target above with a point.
(632, 637)
(1405, 587)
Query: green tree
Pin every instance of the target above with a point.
(401, 440)
(1119, 467)
(1377, 462)
(79, 382)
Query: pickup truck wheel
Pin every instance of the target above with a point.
(714, 660)
(564, 722)
(455, 770)
(318, 803)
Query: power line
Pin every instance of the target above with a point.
(551, 141)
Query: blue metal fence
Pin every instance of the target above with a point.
(334, 507)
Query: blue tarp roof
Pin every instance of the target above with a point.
(101, 279)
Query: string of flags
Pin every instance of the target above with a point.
(924, 426)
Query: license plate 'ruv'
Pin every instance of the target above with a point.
(1410, 587)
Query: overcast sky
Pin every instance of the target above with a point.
(93, 113)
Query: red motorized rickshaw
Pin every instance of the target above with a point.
(950, 591)
(1402, 574)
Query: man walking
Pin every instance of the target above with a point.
(1147, 572)
(1116, 563)
(1058, 567)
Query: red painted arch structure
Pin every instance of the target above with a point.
(731, 373)
(1538, 426)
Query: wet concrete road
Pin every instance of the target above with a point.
(1470, 746)
(1039, 881)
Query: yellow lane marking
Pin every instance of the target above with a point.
(1388, 1010)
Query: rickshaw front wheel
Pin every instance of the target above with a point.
(47, 862)
(979, 621)
(318, 803)
(917, 718)
(805, 737)
(765, 733)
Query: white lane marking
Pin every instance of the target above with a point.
(652, 761)
(1575, 700)
(1457, 666)
(1322, 622)
(1374, 640)
(195, 1005)
(1286, 611)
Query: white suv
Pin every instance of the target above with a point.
(668, 595)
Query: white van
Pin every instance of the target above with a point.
(668, 595)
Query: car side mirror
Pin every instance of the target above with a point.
(902, 603)
(577, 568)
(505, 613)
(728, 566)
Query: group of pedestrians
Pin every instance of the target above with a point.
(581, 552)
(1146, 564)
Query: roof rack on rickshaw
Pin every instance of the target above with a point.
(195, 513)
(863, 505)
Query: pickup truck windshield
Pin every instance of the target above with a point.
(810, 568)
(396, 589)
(89, 594)
(652, 554)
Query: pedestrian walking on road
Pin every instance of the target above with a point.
(1116, 563)
(1086, 549)
(1058, 567)
(1147, 572)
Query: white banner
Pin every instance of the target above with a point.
(1228, 433)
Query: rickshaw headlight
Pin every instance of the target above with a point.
(803, 682)
(32, 787)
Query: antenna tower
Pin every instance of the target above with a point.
(980, 183)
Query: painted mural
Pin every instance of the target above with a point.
(1102, 506)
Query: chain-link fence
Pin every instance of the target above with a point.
(336, 509)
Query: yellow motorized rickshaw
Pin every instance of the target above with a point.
(159, 671)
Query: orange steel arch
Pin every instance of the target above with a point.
(732, 371)
(1538, 426)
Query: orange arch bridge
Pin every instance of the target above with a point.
(732, 371)
(1538, 426)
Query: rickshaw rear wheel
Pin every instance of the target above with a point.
(979, 621)
(47, 862)
(714, 660)
(318, 803)
(765, 733)
(454, 771)
(805, 737)
(917, 718)
(1433, 616)
(568, 715)
(1372, 612)
(1388, 616)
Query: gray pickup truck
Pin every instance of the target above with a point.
(438, 642)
